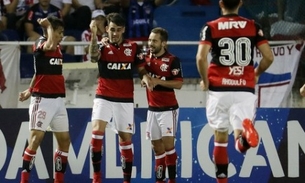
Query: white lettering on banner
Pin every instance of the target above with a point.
(295, 135)
(277, 51)
(146, 153)
(295, 140)
(16, 159)
(187, 150)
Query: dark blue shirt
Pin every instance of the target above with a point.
(36, 12)
(139, 19)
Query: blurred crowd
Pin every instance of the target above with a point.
(18, 18)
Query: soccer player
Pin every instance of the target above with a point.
(165, 71)
(230, 79)
(113, 103)
(47, 107)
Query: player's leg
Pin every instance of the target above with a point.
(123, 122)
(126, 146)
(101, 113)
(40, 116)
(154, 134)
(61, 155)
(242, 118)
(35, 139)
(220, 154)
(160, 160)
(168, 125)
(60, 128)
(217, 106)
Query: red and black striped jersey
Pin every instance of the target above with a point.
(232, 39)
(116, 70)
(49, 81)
(165, 67)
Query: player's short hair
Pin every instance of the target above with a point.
(55, 22)
(163, 33)
(231, 4)
(116, 18)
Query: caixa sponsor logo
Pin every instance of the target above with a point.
(119, 66)
(56, 61)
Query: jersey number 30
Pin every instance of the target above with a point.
(238, 52)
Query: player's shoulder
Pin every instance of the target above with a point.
(128, 41)
(171, 56)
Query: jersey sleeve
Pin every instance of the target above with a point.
(139, 57)
(38, 46)
(176, 69)
(260, 38)
(30, 16)
(205, 35)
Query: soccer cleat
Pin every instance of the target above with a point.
(96, 177)
(249, 133)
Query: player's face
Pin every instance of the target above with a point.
(154, 43)
(115, 32)
(59, 34)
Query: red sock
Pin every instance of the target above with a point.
(96, 150)
(126, 159)
(221, 161)
(171, 161)
(160, 167)
(27, 165)
(60, 162)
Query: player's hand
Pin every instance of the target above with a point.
(302, 91)
(147, 82)
(44, 22)
(204, 86)
(105, 41)
(256, 79)
(93, 27)
(24, 95)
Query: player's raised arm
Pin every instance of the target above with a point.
(93, 47)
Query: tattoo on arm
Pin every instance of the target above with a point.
(93, 50)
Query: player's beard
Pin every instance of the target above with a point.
(155, 50)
